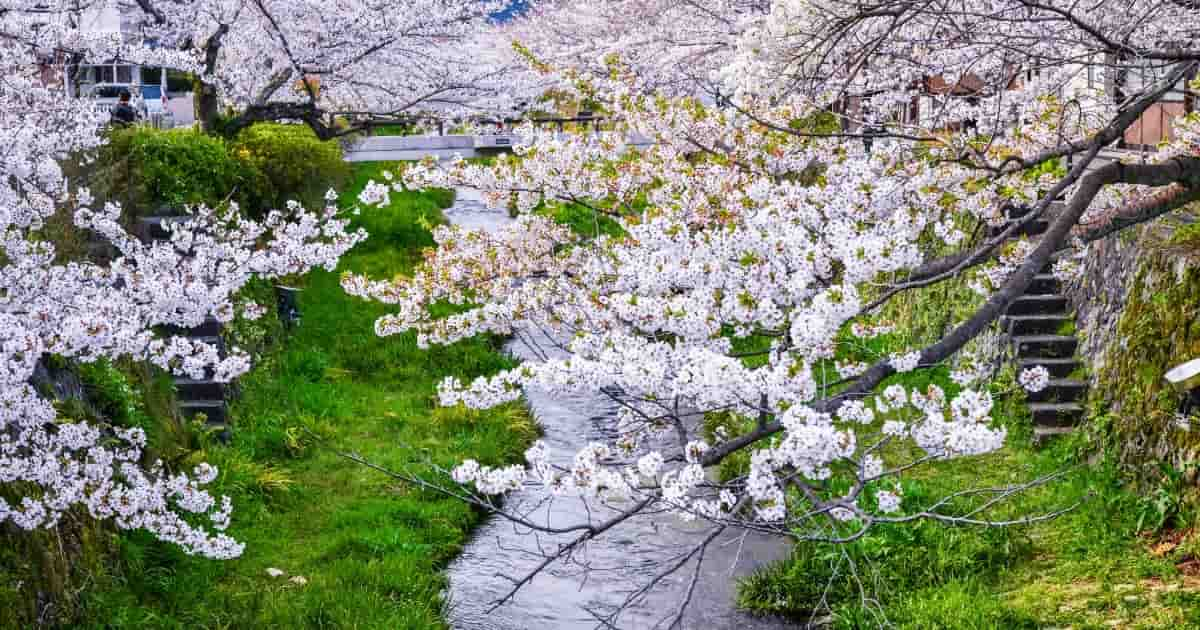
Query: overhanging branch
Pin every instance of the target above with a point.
(1089, 185)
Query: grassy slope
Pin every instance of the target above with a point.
(1088, 568)
(370, 549)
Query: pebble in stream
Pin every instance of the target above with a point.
(619, 561)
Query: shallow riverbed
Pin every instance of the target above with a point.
(609, 567)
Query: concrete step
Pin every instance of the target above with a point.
(1042, 435)
(1060, 390)
(210, 328)
(214, 411)
(1058, 368)
(1035, 324)
(1053, 346)
(1061, 414)
(1038, 305)
(156, 228)
(200, 389)
(1043, 284)
(212, 340)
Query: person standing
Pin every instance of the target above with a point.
(123, 114)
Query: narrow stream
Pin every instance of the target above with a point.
(616, 563)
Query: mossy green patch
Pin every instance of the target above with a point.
(1159, 328)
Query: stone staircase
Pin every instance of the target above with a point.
(1040, 325)
(195, 396)
(203, 396)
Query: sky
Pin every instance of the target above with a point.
(514, 8)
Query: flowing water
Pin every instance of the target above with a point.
(620, 560)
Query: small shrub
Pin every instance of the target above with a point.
(285, 163)
(244, 476)
(264, 167)
(112, 393)
(1165, 504)
(147, 169)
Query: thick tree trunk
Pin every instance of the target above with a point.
(206, 105)
(206, 94)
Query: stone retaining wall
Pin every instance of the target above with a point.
(1098, 295)
(1137, 305)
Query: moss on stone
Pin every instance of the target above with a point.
(1187, 236)
(1159, 327)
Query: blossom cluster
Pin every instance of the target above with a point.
(758, 225)
(1034, 379)
(85, 310)
(710, 254)
(648, 313)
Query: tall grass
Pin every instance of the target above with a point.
(370, 550)
(1099, 565)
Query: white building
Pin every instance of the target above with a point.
(114, 16)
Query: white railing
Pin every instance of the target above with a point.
(160, 121)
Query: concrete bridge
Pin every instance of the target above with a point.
(392, 148)
(398, 148)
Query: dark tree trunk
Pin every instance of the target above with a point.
(206, 94)
(206, 105)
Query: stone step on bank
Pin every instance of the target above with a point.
(203, 396)
(1040, 326)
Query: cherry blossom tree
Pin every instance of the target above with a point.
(752, 243)
(87, 311)
(262, 59)
(673, 46)
(317, 62)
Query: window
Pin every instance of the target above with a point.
(1141, 74)
(151, 75)
(108, 73)
(108, 91)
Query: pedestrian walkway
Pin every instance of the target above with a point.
(393, 148)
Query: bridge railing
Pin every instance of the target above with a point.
(587, 121)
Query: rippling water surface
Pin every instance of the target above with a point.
(620, 560)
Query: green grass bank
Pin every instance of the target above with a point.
(357, 549)
(1123, 555)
